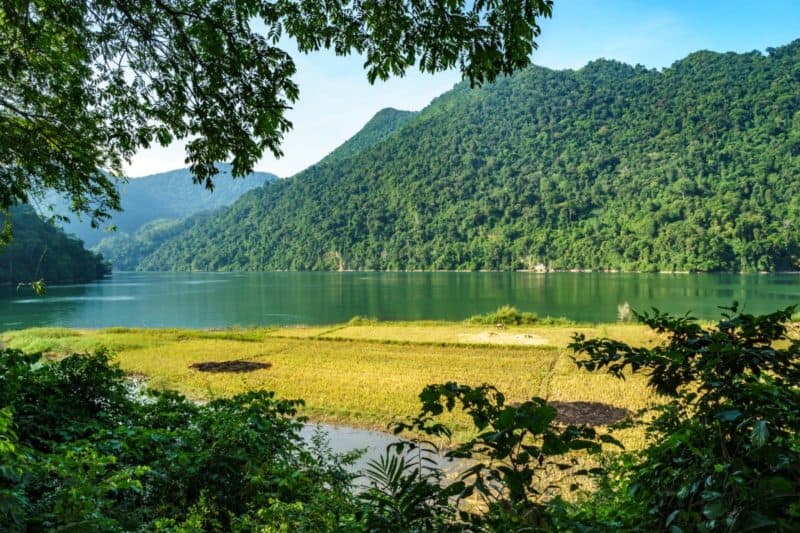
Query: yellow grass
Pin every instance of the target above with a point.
(361, 375)
(438, 332)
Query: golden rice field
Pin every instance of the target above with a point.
(362, 375)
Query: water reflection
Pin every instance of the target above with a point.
(343, 439)
(285, 298)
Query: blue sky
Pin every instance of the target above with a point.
(336, 100)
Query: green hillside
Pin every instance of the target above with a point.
(125, 250)
(168, 195)
(695, 167)
(384, 123)
(41, 251)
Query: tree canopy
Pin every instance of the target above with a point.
(84, 85)
(43, 253)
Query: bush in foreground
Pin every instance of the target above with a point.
(80, 452)
(724, 451)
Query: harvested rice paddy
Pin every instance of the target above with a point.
(363, 375)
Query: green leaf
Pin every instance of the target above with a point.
(759, 434)
(729, 415)
(714, 511)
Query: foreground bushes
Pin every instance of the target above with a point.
(83, 454)
(82, 450)
(724, 451)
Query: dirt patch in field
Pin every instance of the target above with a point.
(590, 413)
(230, 366)
(504, 337)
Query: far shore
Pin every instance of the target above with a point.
(422, 271)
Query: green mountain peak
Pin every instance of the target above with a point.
(608, 167)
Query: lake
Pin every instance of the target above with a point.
(206, 300)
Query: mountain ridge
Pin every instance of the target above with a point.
(382, 124)
(164, 195)
(611, 166)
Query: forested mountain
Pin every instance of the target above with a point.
(125, 250)
(39, 250)
(384, 123)
(696, 167)
(169, 195)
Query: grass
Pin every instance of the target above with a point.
(366, 374)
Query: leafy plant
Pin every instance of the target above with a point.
(516, 452)
(724, 451)
(81, 452)
(406, 491)
(13, 465)
(506, 315)
(359, 320)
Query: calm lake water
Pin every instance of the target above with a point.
(204, 300)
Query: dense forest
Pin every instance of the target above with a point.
(168, 195)
(384, 123)
(693, 168)
(125, 250)
(40, 251)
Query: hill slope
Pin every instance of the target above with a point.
(168, 195)
(384, 123)
(607, 167)
(125, 250)
(41, 251)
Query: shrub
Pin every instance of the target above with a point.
(506, 315)
(81, 454)
(724, 450)
(359, 320)
(514, 458)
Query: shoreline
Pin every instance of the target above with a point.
(482, 271)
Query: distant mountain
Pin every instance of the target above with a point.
(169, 195)
(39, 250)
(125, 250)
(696, 167)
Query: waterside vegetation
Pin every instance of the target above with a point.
(83, 447)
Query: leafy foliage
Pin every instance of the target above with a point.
(82, 452)
(406, 491)
(41, 252)
(507, 315)
(607, 167)
(515, 455)
(724, 453)
(84, 85)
